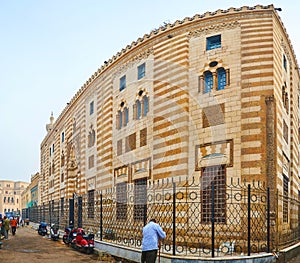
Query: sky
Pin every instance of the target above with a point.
(49, 48)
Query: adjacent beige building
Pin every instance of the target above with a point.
(10, 196)
(215, 96)
(31, 195)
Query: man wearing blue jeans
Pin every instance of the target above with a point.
(152, 233)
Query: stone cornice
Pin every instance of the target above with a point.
(215, 27)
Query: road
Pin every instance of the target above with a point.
(29, 247)
(295, 260)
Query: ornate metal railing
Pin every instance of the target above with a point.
(200, 221)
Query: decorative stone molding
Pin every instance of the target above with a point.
(121, 174)
(136, 59)
(213, 28)
(215, 153)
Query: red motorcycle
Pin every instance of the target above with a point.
(83, 242)
(69, 235)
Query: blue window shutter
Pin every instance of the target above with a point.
(221, 78)
(208, 81)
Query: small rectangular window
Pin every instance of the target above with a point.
(284, 62)
(62, 137)
(213, 42)
(285, 132)
(91, 107)
(141, 71)
(123, 83)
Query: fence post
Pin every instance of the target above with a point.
(249, 220)
(79, 215)
(50, 212)
(145, 214)
(213, 219)
(71, 212)
(268, 220)
(174, 218)
(101, 217)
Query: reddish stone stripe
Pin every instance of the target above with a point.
(248, 37)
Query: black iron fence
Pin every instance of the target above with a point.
(212, 220)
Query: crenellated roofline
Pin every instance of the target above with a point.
(156, 32)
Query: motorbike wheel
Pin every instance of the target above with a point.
(65, 241)
(89, 250)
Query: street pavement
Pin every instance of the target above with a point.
(29, 247)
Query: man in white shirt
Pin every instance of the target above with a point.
(152, 233)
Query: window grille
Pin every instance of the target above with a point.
(91, 203)
(140, 199)
(213, 175)
(121, 196)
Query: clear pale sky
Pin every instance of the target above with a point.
(49, 48)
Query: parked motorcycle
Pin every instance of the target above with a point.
(42, 230)
(69, 235)
(83, 242)
(54, 232)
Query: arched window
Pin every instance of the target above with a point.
(221, 73)
(126, 112)
(208, 81)
(141, 106)
(146, 105)
(214, 78)
(138, 109)
(122, 117)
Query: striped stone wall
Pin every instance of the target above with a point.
(171, 106)
(251, 127)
